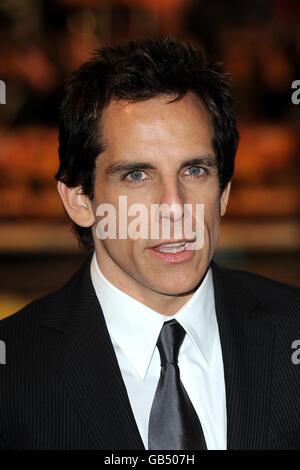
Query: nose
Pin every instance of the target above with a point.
(171, 200)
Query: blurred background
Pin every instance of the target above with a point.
(41, 42)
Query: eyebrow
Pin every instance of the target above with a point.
(209, 160)
(123, 166)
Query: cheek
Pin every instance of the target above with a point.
(212, 216)
(127, 250)
(120, 251)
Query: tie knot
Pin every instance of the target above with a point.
(169, 342)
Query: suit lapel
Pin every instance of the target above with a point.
(246, 339)
(82, 352)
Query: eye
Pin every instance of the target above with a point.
(135, 176)
(196, 171)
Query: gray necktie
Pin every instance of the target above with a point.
(173, 424)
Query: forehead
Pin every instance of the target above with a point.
(157, 122)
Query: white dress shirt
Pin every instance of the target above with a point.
(134, 329)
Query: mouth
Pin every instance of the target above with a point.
(173, 247)
(173, 252)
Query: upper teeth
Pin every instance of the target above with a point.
(174, 244)
(172, 247)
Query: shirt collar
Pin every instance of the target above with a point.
(135, 328)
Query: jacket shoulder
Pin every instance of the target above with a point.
(64, 298)
(253, 280)
(277, 296)
(30, 315)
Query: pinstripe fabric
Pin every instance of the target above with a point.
(62, 388)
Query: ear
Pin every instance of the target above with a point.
(225, 198)
(78, 205)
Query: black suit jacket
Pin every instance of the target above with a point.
(61, 386)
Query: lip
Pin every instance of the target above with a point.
(168, 242)
(172, 258)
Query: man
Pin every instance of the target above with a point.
(151, 345)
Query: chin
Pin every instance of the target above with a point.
(177, 289)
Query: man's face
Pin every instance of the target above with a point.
(160, 139)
